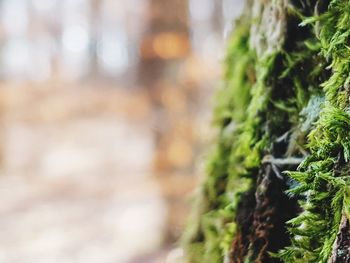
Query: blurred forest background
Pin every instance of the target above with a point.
(105, 109)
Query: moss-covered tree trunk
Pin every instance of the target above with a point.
(278, 182)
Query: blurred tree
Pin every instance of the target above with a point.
(277, 188)
(164, 49)
(94, 26)
(165, 41)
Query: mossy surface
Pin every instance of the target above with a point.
(323, 177)
(209, 234)
(277, 185)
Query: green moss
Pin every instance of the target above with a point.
(323, 177)
(290, 101)
(211, 225)
(239, 76)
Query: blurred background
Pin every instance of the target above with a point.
(105, 121)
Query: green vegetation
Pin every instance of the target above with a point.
(277, 185)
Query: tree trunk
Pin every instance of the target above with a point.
(277, 186)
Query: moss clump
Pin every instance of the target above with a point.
(209, 234)
(277, 186)
(323, 178)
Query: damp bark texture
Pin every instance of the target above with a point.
(277, 187)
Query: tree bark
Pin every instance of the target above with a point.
(277, 187)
